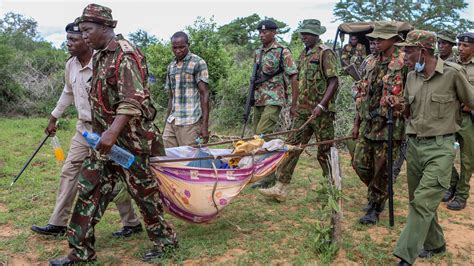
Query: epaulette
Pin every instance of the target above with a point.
(126, 46)
(453, 65)
(325, 47)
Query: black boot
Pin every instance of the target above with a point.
(457, 204)
(371, 217)
(426, 254)
(449, 194)
(158, 253)
(266, 182)
(49, 230)
(67, 261)
(127, 231)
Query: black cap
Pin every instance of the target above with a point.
(73, 28)
(267, 25)
(466, 37)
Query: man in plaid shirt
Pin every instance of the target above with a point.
(188, 105)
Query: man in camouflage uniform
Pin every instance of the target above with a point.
(446, 41)
(459, 188)
(383, 79)
(276, 65)
(318, 86)
(122, 113)
(76, 90)
(353, 52)
(351, 144)
(434, 92)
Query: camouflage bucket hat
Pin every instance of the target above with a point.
(312, 26)
(420, 38)
(97, 14)
(384, 30)
(447, 36)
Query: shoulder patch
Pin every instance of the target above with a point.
(126, 46)
(453, 65)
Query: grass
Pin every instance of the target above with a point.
(252, 230)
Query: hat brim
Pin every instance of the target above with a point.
(314, 32)
(109, 23)
(384, 36)
(406, 44)
(444, 38)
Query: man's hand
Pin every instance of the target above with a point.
(51, 128)
(394, 102)
(355, 131)
(317, 112)
(204, 135)
(107, 140)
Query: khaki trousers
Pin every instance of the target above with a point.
(175, 136)
(67, 191)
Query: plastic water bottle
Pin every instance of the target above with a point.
(117, 154)
(456, 145)
(58, 151)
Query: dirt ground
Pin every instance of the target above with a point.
(458, 229)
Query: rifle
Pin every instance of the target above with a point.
(390, 166)
(353, 72)
(31, 158)
(251, 96)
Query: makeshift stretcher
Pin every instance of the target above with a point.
(196, 194)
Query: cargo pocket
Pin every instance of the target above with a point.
(444, 181)
(441, 105)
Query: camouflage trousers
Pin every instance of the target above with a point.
(323, 129)
(96, 183)
(265, 118)
(370, 164)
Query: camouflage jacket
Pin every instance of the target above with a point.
(315, 67)
(119, 87)
(273, 91)
(381, 79)
(351, 54)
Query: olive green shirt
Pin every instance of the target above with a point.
(435, 101)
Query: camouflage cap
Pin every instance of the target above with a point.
(420, 38)
(384, 30)
(312, 26)
(466, 37)
(267, 25)
(73, 28)
(97, 14)
(446, 35)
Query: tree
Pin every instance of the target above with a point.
(433, 15)
(142, 39)
(16, 23)
(243, 31)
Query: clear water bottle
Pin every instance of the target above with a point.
(58, 151)
(456, 145)
(117, 154)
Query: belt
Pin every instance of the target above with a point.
(428, 137)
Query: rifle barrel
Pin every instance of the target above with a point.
(390, 167)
